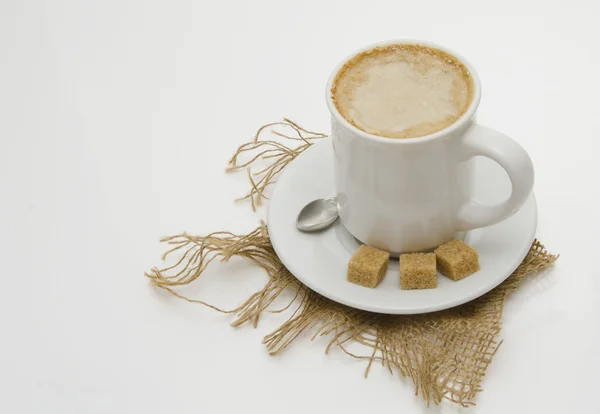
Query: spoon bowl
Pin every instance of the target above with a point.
(318, 214)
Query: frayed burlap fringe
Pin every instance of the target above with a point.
(279, 154)
(445, 354)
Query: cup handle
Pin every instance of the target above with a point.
(480, 140)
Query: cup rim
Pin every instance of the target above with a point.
(460, 122)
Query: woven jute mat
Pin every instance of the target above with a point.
(445, 354)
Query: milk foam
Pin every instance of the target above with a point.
(402, 91)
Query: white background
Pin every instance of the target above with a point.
(117, 119)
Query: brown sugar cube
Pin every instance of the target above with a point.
(456, 259)
(417, 271)
(368, 266)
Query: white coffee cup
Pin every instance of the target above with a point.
(412, 194)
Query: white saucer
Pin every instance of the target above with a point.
(319, 260)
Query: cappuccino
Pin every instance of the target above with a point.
(402, 90)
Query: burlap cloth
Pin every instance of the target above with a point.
(445, 353)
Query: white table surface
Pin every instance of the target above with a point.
(116, 121)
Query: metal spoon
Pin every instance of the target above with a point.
(318, 214)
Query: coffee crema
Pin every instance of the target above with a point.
(402, 90)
